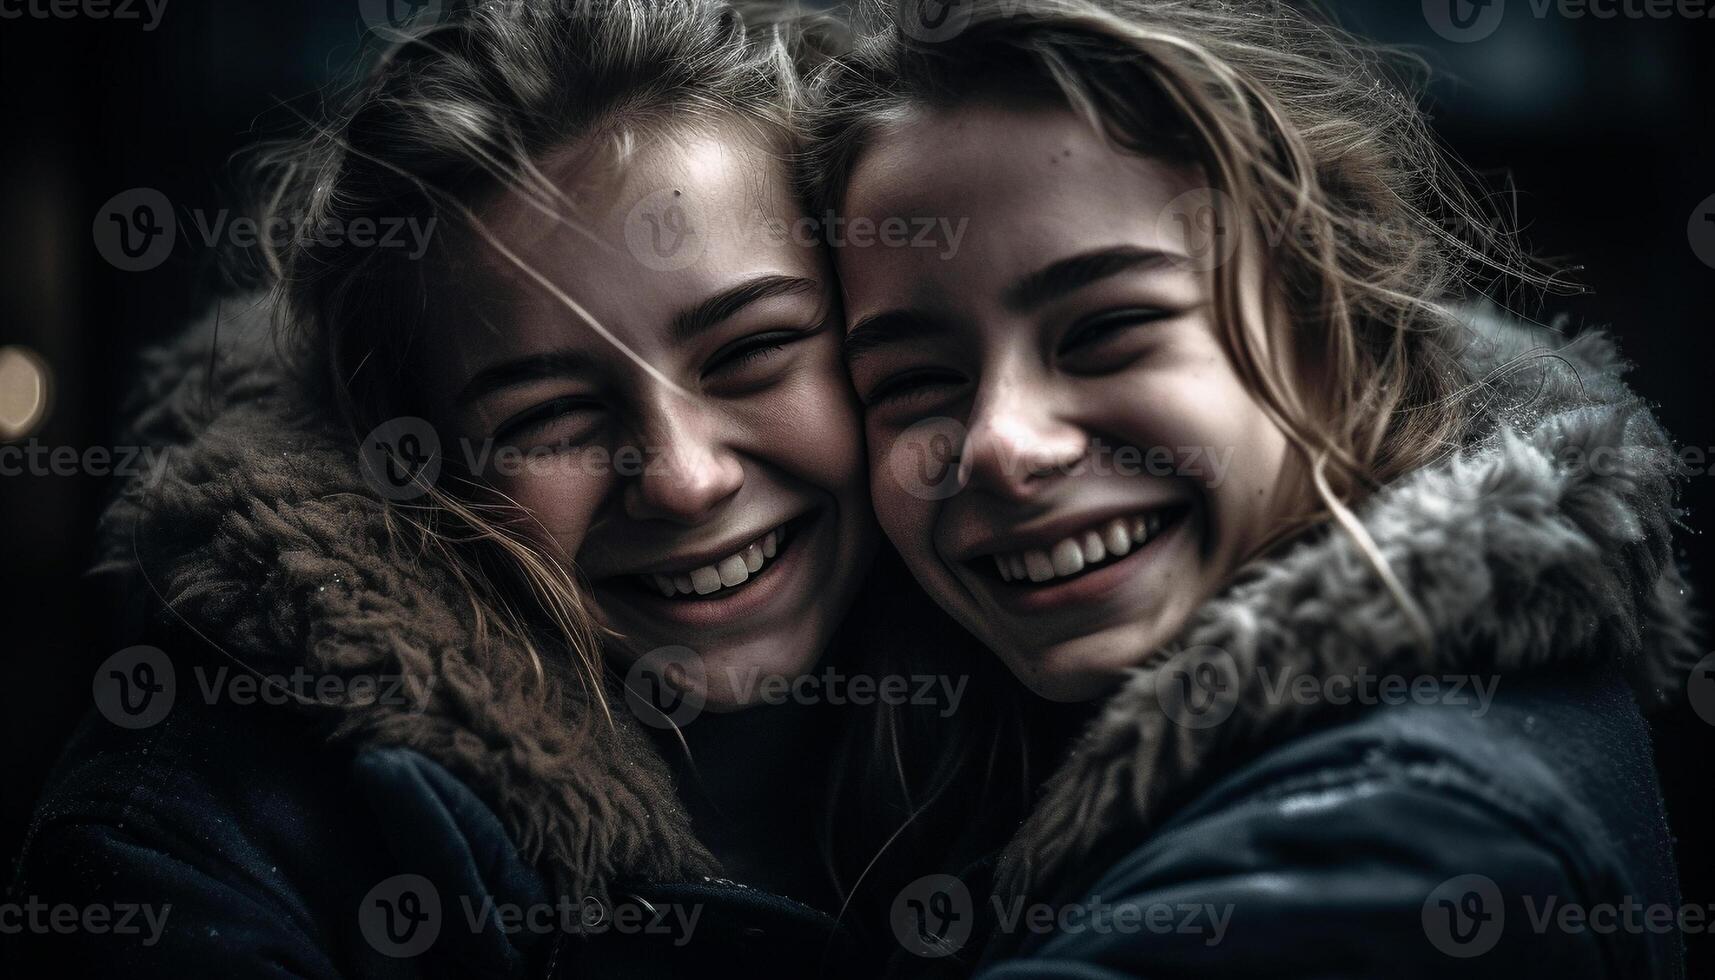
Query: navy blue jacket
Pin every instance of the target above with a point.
(1417, 840)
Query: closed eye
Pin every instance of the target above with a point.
(533, 422)
(1102, 326)
(754, 350)
(912, 386)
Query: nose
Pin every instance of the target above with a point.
(687, 471)
(1015, 440)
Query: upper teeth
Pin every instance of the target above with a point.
(732, 570)
(1069, 556)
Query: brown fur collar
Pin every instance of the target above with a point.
(258, 532)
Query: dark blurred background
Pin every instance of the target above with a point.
(1602, 123)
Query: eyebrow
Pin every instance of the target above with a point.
(533, 367)
(1065, 276)
(710, 312)
(886, 329)
(1071, 274)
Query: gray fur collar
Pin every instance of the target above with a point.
(1546, 540)
(257, 531)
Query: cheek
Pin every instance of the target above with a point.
(1219, 439)
(561, 493)
(904, 483)
(810, 427)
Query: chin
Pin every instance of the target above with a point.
(734, 673)
(1084, 668)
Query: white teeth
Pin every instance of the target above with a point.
(705, 579)
(1119, 539)
(1068, 558)
(733, 571)
(1114, 539)
(1094, 550)
(1037, 564)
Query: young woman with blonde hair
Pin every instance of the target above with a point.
(544, 517)
(1348, 576)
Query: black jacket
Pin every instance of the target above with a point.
(279, 832)
(307, 841)
(1262, 763)
(1426, 839)
(250, 846)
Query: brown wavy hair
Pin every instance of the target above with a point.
(452, 117)
(1302, 129)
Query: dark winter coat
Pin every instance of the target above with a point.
(417, 827)
(1240, 809)
(381, 838)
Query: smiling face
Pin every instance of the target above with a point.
(699, 462)
(1113, 470)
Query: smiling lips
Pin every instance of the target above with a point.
(1082, 551)
(728, 573)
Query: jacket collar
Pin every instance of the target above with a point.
(1546, 540)
(257, 530)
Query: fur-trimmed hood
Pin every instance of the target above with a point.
(256, 530)
(1546, 540)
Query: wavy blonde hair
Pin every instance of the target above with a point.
(1300, 127)
(1309, 135)
(450, 119)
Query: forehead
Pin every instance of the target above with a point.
(633, 233)
(1034, 182)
